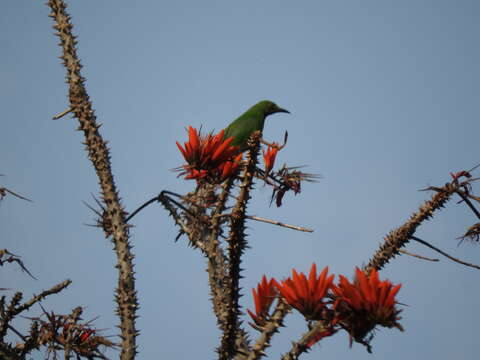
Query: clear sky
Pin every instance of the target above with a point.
(384, 101)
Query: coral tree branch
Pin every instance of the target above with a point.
(399, 237)
(301, 345)
(216, 260)
(99, 155)
(14, 309)
(275, 321)
(236, 245)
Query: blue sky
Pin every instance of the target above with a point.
(384, 102)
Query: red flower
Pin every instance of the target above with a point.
(269, 157)
(263, 297)
(229, 167)
(365, 303)
(307, 295)
(209, 157)
(85, 334)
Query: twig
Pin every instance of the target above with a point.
(14, 258)
(274, 222)
(144, 205)
(158, 199)
(54, 290)
(62, 114)
(444, 253)
(416, 255)
(468, 202)
(4, 190)
(17, 332)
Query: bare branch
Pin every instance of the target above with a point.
(416, 255)
(4, 191)
(423, 242)
(54, 290)
(14, 258)
(274, 222)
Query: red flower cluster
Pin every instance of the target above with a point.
(365, 303)
(307, 295)
(356, 307)
(263, 298)
(210, 157)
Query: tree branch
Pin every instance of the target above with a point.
(100, 157)
(236, 245)
(399, 237)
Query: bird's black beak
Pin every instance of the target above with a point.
(282, 110)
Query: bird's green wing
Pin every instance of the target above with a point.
(241, 128)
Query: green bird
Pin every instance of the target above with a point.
(250, 121)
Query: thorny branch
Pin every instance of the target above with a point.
(202, 228)
(236, 246)
(216, 260)
(236, 243)
(399, 237)
(15, 308)
(272, 327)
(99, 155)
